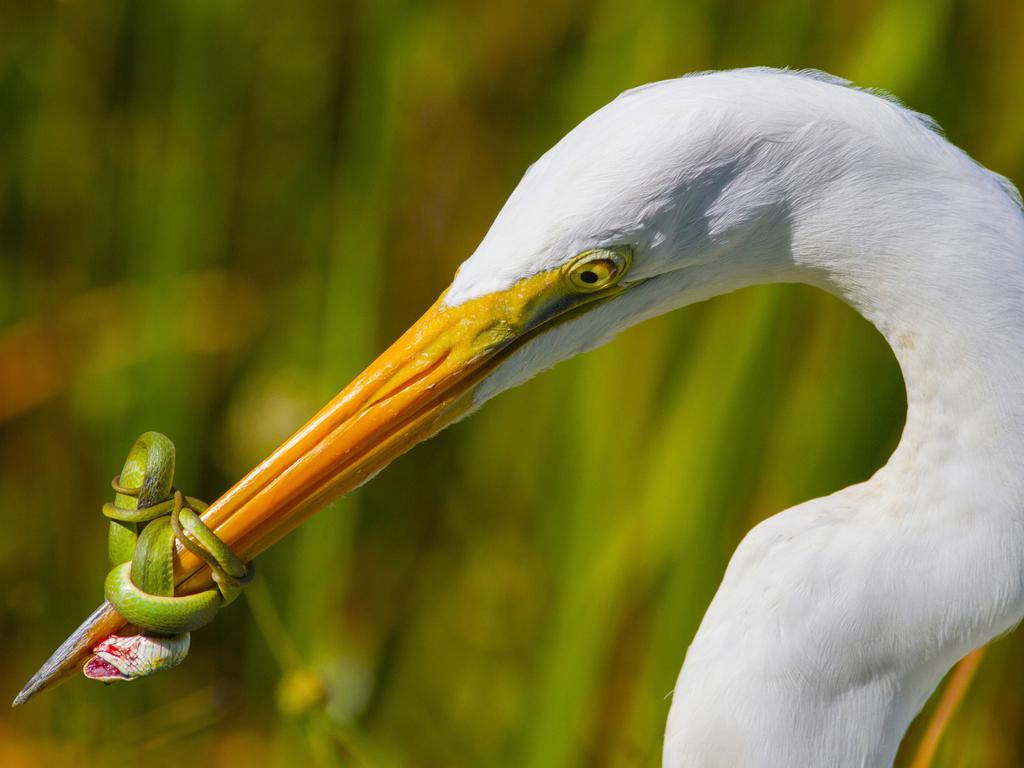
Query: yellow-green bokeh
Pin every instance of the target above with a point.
(213, 213)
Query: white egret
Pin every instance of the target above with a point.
(835, 619)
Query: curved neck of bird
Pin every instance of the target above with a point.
(947, 293)
(913, 568)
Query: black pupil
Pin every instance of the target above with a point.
(588, 277)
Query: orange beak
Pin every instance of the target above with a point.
(422, 383)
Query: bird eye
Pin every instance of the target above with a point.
(597, 269)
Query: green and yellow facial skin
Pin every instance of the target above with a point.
(422, 383)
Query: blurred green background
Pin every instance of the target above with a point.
(214, 213)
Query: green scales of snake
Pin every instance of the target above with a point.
(147, 517)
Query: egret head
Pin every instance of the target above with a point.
(649, 204)
(684, 192)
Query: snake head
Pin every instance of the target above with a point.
(125, 658)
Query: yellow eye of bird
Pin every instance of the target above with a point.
(597, 269)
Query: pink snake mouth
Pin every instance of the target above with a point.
(99, 669)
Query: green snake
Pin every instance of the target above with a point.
(148, 515)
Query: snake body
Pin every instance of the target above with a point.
(147, 517)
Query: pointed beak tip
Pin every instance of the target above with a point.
(68, 659)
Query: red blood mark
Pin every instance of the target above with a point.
(119, 647)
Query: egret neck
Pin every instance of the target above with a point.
(836, 619)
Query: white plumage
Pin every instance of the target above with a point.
(837, 618)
